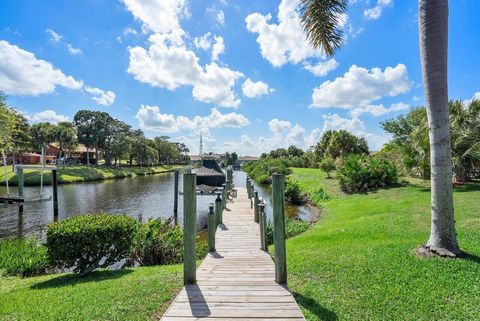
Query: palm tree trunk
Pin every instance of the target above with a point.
(433, 31)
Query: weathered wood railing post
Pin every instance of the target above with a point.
(248, 187)
(21, 193)
(255, 207)
(175, 196)
(55, 194)
(278, 197)
(224, 195)
(262, 219)
(230, 176)
(189, 228)
(218, 211)
(212, 226)
(252, 194)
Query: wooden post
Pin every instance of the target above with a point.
(189, 228)
(175, 196)
(21, 193)
(55, 195)
(252, 192)
(255, 207)
(227, 184)
(262, 219)
(278, 197)
(21, 181)
(248, 187)
(211, 228)
(224, 195)
(230, 176)
(218, 211)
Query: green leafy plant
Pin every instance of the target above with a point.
(158, 242)
(293, 194)
(362, 173)
(22, 257)
(293, 227)
(327, 165)
(88, 242)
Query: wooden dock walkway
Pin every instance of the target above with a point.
(238, 280)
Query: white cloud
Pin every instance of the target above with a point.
(203, 42)
(48, 115)
(375, 12)
(356, 127)
(168, 63)
(218, 48)
(101, 97)
(21, 73)
(283, 42)
(215, 85)
(359, 87)
(74, 51)
(378, 110)
(150, 118)
(55, 37)
(220, 16)
(255, 89)
(322, 68)
(476, 96)
(126, 32)
(158, 15)
(276, 125)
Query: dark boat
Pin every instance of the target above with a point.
(210, 174)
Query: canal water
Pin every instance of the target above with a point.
(146, 196)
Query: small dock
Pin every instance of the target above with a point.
(237, 281)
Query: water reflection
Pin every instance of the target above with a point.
(148, 196)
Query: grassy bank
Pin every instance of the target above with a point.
(78, 174)
(358, 262)
(130, 294)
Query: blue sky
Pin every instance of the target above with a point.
(239, 72)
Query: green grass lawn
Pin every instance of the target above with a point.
(130, 294)
(359, 261)
(77, 174)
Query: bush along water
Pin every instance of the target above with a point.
(365, 173)
(88, 242)
(22, 257)
(293, 227)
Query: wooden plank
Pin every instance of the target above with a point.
(237, 281)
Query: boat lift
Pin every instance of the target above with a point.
(20, 199)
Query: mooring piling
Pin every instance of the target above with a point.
(175, 196)
(218, 211)
(255, 207)
(55, 194)
(189, 227)
(262, 225)
(211, 228)
(278, 198)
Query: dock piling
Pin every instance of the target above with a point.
(218, 211)
(211, 228)
(262, 224)
(189, 228)
(175, 196)
(55, 194)
(278, 198)
(255, 207)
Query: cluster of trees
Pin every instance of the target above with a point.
(107, 137)
(411, 147)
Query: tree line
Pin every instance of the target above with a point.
(105, 136)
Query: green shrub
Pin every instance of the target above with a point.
(158, 242)
(362, 173)
(22, 257)
(261, 171)
(293, 193)
(318, 196)
(293, 227)
(327, 165)
(87, 242)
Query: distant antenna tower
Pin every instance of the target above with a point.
(201, 145)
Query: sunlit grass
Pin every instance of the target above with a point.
(359, 261)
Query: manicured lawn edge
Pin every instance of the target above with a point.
(80, 174)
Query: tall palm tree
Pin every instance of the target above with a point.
(320, 20)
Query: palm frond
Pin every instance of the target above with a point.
(321, 21)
